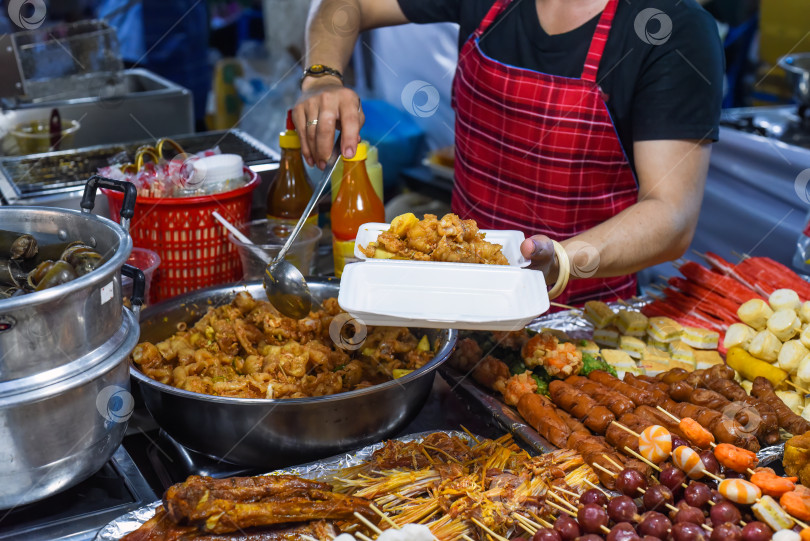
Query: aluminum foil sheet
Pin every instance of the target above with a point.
(128, 523)
(573, 322)
(320, 470)
(769, 455)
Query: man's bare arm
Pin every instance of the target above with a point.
(658, 228)
(332, 30)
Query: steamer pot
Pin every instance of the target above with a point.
(47, 329)
(57, 432)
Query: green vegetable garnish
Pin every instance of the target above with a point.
(542, 386)
(591, 363)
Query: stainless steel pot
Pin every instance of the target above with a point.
(56, 432)
(47, 329)
(797, 68)
(272, 433)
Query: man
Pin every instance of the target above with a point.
(586, 121)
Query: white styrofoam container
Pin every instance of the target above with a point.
(442, 295)
(509, 240)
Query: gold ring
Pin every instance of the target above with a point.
(312, 122)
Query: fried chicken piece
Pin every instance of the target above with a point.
(491, 373)
(392, 243)
(226, 516)
(227, 505)
(179, 497)
(487, 252)
(452, 252)
(424, 235)
(457, 229)
(466, 354)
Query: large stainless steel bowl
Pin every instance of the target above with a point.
(273, 433)
(58, 430)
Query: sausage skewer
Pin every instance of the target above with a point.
(745, 413)
(795, 424)
(638, 396)
(615, 402)
(581, 406)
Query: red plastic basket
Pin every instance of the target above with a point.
(193, 247)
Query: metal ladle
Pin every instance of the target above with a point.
(284, 284)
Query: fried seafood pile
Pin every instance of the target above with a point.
(246, 349)
(283, 507)
(450, 239)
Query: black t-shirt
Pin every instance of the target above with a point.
(658, 87)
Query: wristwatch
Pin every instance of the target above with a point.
(319, 70)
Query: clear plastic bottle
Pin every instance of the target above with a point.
(356, 204)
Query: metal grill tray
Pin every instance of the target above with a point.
(42, 173)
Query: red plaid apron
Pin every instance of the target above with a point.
(538, 152)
